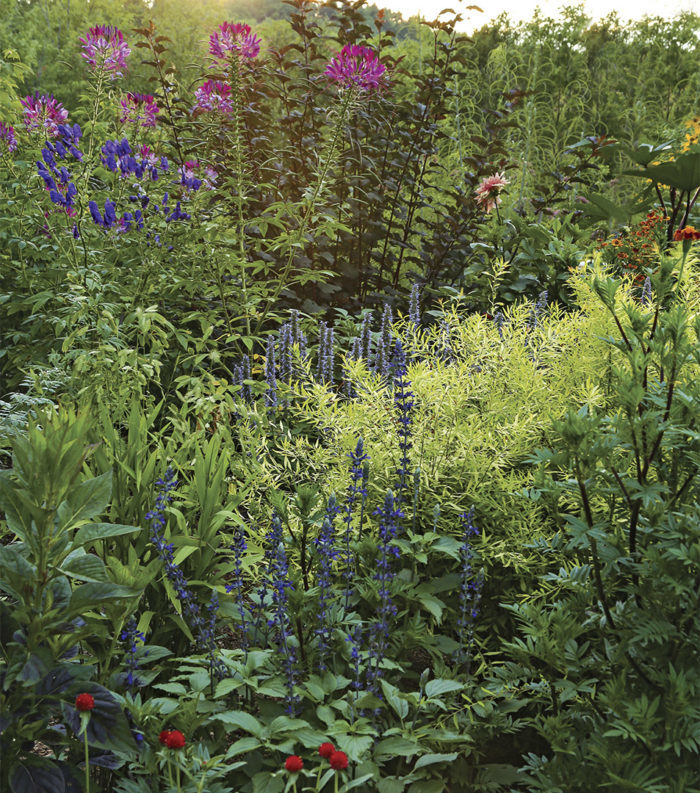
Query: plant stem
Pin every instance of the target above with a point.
(87, 761)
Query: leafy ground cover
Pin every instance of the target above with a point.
(349, 411)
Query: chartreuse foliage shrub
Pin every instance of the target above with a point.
(604, 666)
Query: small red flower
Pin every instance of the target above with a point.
(175, 740)
(294, 763)
(338, 761)
(84, 702)
(163, 737)
(326, 750)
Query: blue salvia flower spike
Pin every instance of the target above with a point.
(357, 488)
(236, 587)
(130, 636)
(403, 400)
(326, 554)
(389, 516)
(321, 351)
(366, 338)
(271, 374)
(470, 592)
(414, 306)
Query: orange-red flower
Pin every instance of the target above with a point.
(686, 233)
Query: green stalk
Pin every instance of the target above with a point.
(238, 155)
(87, 760)
(281, 282)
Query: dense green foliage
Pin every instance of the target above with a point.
(349, 415)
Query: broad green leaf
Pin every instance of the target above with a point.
(87, 596)
(435, 688)
(430, 759)
(94, 532)
(88, 500)
(240, 719)
(86, 567)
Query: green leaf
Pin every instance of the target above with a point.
(430, 759)
(241, 746)
(391, 784)
(86, 596)
(354, 746)
(427, 786)
(264, 782)
(36, 775)
(241, 720)
(396, 746)
(88, 500)
(435, 688)
(94, 532)
(86, 567)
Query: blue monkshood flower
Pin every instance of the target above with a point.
(271, 375)
(326, 554)
(403, 401)
(389, 516)
(49, 181)
(470, 591)
(236, 586)
(357, 489)
(130, 636)
(414, 306)
(69, 136)
(177, 214)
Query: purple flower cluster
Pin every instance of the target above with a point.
(214, 97)
(233, 39)
(414, 306)
(7, 134)
(271, 374)
(43, 112)
(190, 174)
(105, 50)
(356, 67)
(326, 354)
(139, 109)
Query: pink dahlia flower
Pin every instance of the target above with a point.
(487, 193)
(139, 109)
(232, 39)
(43, 112)
(104, 48)
(214, 96)
(7, 136)
(356, 66)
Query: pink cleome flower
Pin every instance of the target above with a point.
(7, 136)
(139, 109)
(232, 39)
(43, 112)
(214, 96)
(104, 48)
(487, 193)
(356, 66)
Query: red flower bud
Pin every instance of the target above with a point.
(84, 702)
(326, 750)
(175, 740)
(338, 761)
(294, 763)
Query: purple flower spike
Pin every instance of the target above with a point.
(43, 112)
(233, 39)
(356, 66)
(104, 49)
(7, 135)
(214, 96)
(139, 109)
